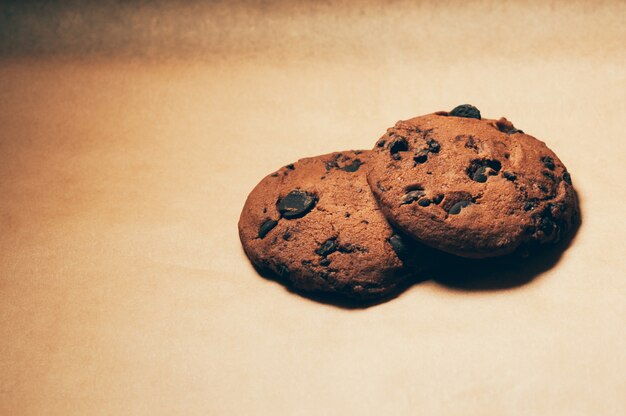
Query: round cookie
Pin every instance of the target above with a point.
(317, 224)
(470, 186)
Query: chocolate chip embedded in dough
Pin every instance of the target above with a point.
(465, 110)
(266, 227)
(457, 207)
(296, 204)
(328, 247)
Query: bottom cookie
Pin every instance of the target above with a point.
(316, 224)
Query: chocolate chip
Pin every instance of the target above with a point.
(421, 157)
(480, 169)
(347, 215)
(412, 196)
(353, 167)
(465, 110)
(296, 204)
(398, 246)
(351, 248)
(457, 207)
(328, 247)
(381, 143)
(290, 166)
(399, 145)
(437, 200)
(509, 176)
(424, 202)
(549, 175)
(567, 178)
(505, 126)
(433, 146)
(324, 262)
(480, 175)
(266, 227)
(548, 162)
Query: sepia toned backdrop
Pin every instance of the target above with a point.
(132, 132)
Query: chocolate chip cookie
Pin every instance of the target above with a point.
(316, 224)
(470, 186)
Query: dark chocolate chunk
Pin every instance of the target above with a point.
(328, 247)
(398, 246)
(480, 169)
(412, 196)
(433, 146)
(421, 157)
(567, 178)
(437, 200)
(353, 167)
(290, 166)
(549, 175)
(509, 176)
(351, 248)
(505, 126)
(457, 207)
(465, 110)
(399, 145)
(548, 162)
(480, 175)
(266, 227)
(381, 143)
(296, 204)
(324, 262)
(424, 202)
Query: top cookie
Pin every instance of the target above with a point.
(470, 186)
(316, 223)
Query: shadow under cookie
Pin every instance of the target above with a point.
(338, 299)
(501, 273)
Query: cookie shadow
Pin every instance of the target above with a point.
(456, 273)
(502, 273)
(337, 299)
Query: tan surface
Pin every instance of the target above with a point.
(123, 288)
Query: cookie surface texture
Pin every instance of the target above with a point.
(470, 186)
(316, 224)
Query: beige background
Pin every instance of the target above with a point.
(130, 136)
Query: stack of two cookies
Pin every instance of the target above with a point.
(360, 223)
